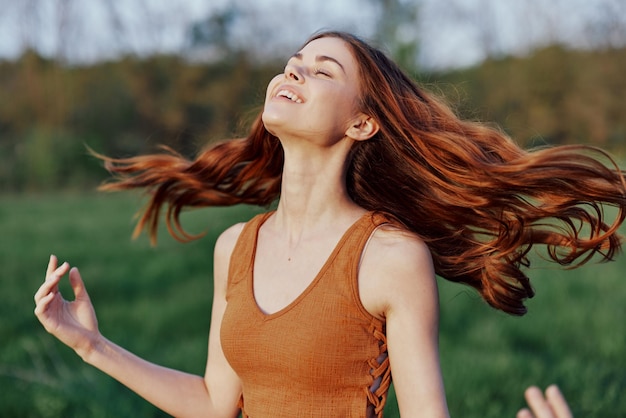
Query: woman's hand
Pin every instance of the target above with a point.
(553, 405)
(72, 322)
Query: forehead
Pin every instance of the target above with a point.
(331, 47)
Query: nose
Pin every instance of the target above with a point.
(293, 73)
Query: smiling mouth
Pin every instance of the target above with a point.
(289, 95)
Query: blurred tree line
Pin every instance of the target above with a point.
(554, 96)
(51, 113)
(52, 110)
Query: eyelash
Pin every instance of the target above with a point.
(322, 72)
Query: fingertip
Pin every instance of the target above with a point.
(52, 262)
(58, 267)
(553, 389)
(524, 413)
(532, 391)
(75, 279)
(533, 396)
(63, 268)
(558, 401)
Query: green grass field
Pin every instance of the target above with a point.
(156, 302)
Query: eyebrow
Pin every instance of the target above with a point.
(320, 58)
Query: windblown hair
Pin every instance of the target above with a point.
(478, 200)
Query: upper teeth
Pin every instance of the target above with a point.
(290, 95)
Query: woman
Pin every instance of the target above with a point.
(379, 188)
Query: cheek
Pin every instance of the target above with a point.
(346, 105)
(272, 84)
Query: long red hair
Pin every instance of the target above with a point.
(478, 200)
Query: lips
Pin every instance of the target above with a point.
(289, 94)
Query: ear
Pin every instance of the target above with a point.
(362, 128)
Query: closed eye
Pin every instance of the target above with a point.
(323, 72)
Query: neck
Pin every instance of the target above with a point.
(314, 193)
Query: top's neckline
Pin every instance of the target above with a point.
(271, 315)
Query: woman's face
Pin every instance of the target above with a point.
(317, 96)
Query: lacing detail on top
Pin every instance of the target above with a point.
(381, 375)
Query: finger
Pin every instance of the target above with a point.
(42, 306)
(61, 270)
(524, 413)
(80, 292)
(52, 265)
(50, 286)
(537, 403)
(557, 402)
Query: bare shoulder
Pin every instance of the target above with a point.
(402, 243)
(391, 249)
(227, 239)
(223, 249)
(395, 265)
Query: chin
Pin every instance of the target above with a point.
(271, 122)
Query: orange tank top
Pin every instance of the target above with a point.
(323, 355)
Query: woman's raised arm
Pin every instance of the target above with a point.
(178, 393)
